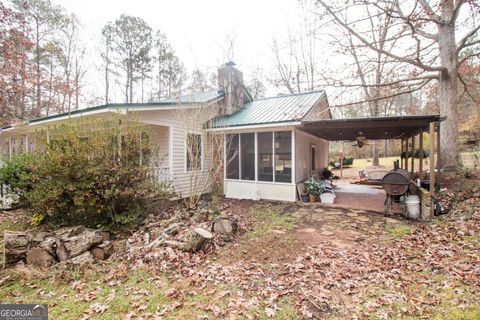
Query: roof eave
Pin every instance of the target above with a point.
(257, 125)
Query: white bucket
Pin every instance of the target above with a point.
(327, 196)
(413, 206)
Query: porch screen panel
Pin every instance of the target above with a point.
(283, 156)
(247, 156)
(233, 159)
(265, 156)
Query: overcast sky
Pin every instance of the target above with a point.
(196, 29)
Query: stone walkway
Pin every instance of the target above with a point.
(344, 227)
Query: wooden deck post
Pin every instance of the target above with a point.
(413, 157)
(420, 156)
(432, 158)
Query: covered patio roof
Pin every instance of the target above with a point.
(377, 128)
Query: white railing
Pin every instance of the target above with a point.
(161, 173)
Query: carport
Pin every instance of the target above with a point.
(408, 129)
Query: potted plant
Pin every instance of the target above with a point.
(314, 189)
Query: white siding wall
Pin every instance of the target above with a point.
(303, 159)
(318, 112)
(161, 137)
(181, 179)
(238, 189)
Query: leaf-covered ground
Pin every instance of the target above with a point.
(287, 262)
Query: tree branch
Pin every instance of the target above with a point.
(463, 42)
(383, 97)
(342, 23)
(430, 12)
(476, 54)
(465, 89)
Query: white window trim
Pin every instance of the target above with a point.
(202, 156)
(293, 153)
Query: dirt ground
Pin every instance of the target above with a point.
(288, 261)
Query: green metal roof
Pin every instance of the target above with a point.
(196, 98)
(271, 110)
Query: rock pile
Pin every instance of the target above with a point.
(77, 245)
(183, 235)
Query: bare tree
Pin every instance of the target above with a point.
(426, 34)
(296, 57)
(204, 151)
(374, 69)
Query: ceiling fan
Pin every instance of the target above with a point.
(360, 140)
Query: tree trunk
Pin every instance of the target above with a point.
(448, 98)
(38, 71)
(197, 240)
(375, 161)
(107, 84)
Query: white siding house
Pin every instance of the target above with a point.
(164, 118)
(266, 152)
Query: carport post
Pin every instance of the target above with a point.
(413, 155)
(406, 154)
(432, 158)
(420, 156)
(439, 158)
(401, 151)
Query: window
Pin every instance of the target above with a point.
(18, 145)
(274, 156)
(194, 151)
(233, 165)
(265, 156)
(247, 156)
(283, 156)
(312, 157)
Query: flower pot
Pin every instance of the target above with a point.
(312, 198)
(327, 196)
(304, 197)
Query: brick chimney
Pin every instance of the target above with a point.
(231, 81)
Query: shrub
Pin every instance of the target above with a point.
(90, 172)
(347, 161)
(416, 154)
(16, 174)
